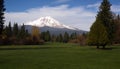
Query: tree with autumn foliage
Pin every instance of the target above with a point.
(35, 34)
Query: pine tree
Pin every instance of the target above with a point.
(60, 38)
(22, 33)
(15, 30)
(73, 36)
(43, 35)
(98, 35)
(66, 37)
(2, 9)
(102, 31)
(53, 38)
(47, 36)
(7, 34)
(10, 29)
(106, 16)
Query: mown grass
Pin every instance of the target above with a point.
(58, 56)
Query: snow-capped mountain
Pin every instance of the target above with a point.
(53, 26)
(49, 22)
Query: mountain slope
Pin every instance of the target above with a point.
(55, 31)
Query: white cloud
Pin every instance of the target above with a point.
(77, 16)
(116, 8)
(95, 5)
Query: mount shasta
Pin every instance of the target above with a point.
(53, 26)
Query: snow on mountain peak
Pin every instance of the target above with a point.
(48, 21)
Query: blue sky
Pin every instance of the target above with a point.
(22, 5)
(76, 13)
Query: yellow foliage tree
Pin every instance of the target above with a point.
(35, 33)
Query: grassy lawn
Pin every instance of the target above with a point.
(58, 56)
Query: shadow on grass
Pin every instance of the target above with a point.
(106, 48)
(109, 48)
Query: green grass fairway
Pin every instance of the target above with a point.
(58, 56)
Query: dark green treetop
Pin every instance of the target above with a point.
(2, 9)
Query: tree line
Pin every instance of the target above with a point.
(19, 35)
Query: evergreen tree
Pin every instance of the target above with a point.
(101, 32)
(43, 35)
(47, 36)
(5, 32)
(98, 35)
(66, 37)
(2, 9)
(60, 38)
(73, 36)
(22, 33)
(10, 29)
(106, 17)
(53, 38)
(15, 30)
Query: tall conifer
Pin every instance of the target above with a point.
(102, 30)
(2, 9)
